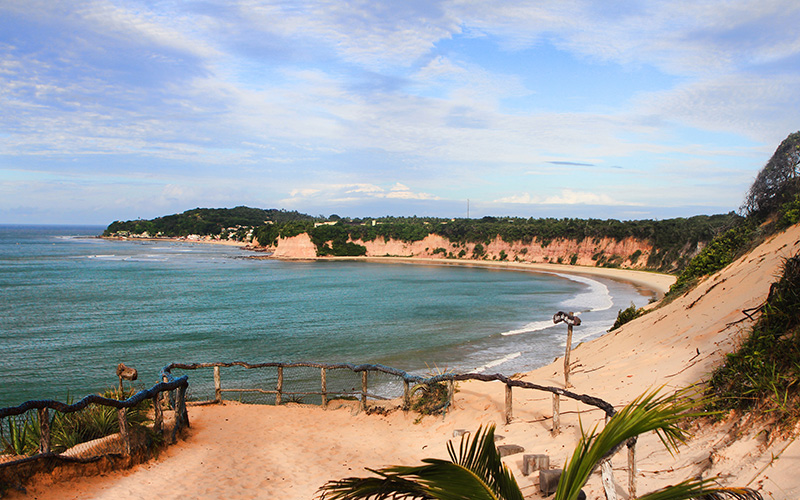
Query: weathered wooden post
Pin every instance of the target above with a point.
(451, 391)
(406, 395)
(509, 400)
(556, 414)
(632, 467)
(364, 390)
(607, 475)
(571, 320)
(167, 395)
(217, 385)
(181, 415)
(124, 431)
(279, 388)
(324, 383)
(181, 406)
(158, 414)
(44, 427)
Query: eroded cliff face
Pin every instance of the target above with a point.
(296, 247)
(627, 253)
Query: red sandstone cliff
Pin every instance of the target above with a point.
(627, 253)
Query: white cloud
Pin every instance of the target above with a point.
(353, 193)
(567, 197)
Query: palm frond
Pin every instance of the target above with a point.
(648, 412)
(476, 472)
(701, 489)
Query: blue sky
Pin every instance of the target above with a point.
(134, 109)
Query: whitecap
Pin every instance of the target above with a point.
(497, 362)
(534, 326)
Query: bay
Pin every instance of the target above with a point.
(73, 306)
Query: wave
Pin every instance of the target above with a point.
(597, 298)
(534, 326)
(497, 362)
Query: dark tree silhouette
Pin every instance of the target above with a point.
(777, 182)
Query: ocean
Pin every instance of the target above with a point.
(73, 306)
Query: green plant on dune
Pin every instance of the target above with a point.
(477, 472)
(626, 315)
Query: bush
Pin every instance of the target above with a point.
(626, 315)
(715, 256)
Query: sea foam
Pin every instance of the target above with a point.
(597, 298)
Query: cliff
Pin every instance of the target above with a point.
(627, 253)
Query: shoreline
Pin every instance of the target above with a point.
(650, 280)
(656, 282)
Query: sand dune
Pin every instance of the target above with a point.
(287, 452)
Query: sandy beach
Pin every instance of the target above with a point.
(288, 452)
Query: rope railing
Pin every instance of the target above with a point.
(162, 396)
(407, 379)
(44, 421)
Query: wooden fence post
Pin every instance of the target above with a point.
(570, 319)
(217, 386)
(632, 468)
(181, 406)
(451, 391)
(324, 383)
(364, 390)
(44, 427)
(556, 414)
(406, 395)
(181, 415)
(124, 431)
(607, 477)
(509, 400)
(167, 395)
(280, 386)
(158, 414)
(566, 355)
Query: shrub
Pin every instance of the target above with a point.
(626, 315)
(715, 256)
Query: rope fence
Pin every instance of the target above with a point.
(279, 383)
(17, 425)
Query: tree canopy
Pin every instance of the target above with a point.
(776, 183)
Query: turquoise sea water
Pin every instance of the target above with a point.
(73, 306)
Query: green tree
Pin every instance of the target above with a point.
(777, 182)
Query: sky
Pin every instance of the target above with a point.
(118, 110)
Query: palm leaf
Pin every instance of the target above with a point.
(701, 489)
(476, 472)
(648, 412)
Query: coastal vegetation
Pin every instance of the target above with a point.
(673, 241)
(763, 375)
